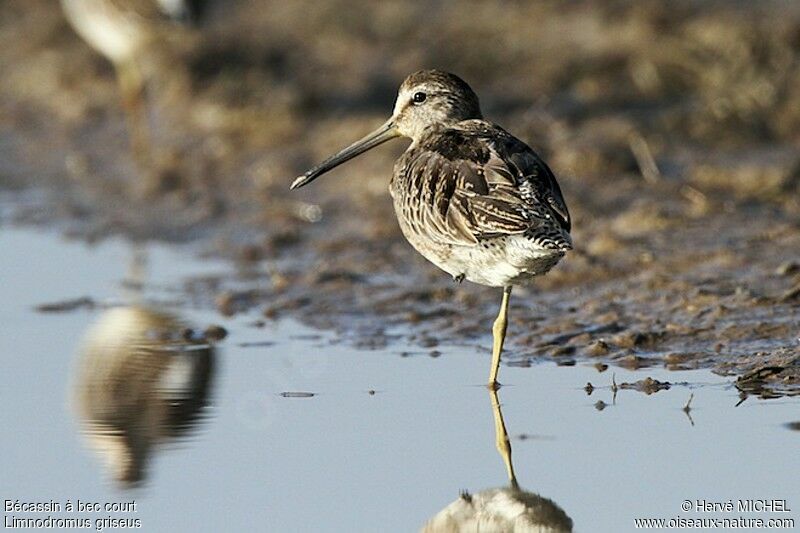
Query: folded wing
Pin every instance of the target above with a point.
(478, 182)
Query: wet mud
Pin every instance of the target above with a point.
(673, 129)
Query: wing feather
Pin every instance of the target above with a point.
(474, 182)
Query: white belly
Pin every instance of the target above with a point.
(108, 31)
(500, 262)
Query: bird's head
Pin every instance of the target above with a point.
(426, 98)
(432, 98)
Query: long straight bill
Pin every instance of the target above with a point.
(386, 132)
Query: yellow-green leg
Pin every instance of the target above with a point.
(133, 99)
(499, 334)
(501, 438)
(131, 85)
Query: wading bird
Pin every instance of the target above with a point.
(470, 197)
(120, 30)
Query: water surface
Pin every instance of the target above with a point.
(365, 440)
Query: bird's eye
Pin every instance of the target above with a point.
(418, 98)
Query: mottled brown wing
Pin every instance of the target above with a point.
(468, 186)
(534, 171)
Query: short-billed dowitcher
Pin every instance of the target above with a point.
(470, 197)
(120, 30)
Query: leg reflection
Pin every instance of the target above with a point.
(501, 509)
(501, 438)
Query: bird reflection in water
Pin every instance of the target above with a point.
(142, 381)
(508, 509)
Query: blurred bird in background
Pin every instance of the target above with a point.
(123, 31)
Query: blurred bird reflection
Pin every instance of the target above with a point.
(142, 380)
(505, 509)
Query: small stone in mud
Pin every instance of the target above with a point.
(66, 305)
(600, 405)
(601, 367)
(560, 351)
(215, 332)
(581, 340)
(647, 385)
(759, 375)
(794, 426)
(633, 362)
(675, 358)
(688, 359)
(754, 380)
(226, 303)
(298, 394)
(428, 342)
(371, 392)
(598, 348)
(634, 339)
(589, 388)
(435, 353)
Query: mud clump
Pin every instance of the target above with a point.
(229, 303)
(598, 348)
(647, 385)
(636, 339)
(215, 333)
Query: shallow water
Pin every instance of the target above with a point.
(381, 443)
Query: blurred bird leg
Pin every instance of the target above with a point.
(131, 85)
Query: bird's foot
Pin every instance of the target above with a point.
(459, 278)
